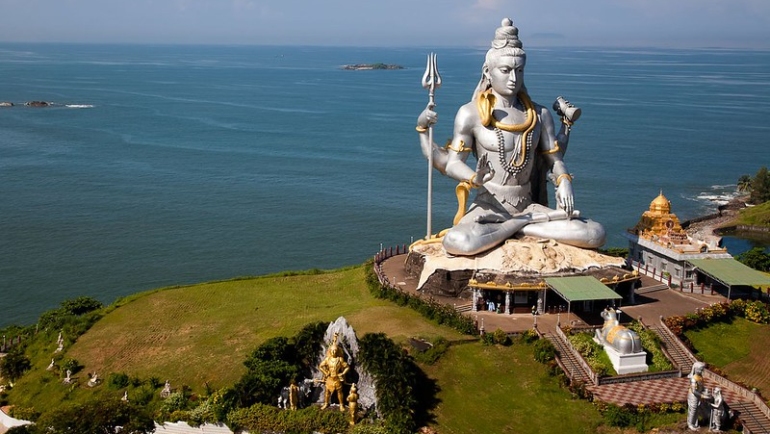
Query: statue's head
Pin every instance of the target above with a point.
(503, 68)
(505, 44)
(697, 368)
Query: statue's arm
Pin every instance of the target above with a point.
(568, 114)
(553, 158)
(461, 146)
(427, 119)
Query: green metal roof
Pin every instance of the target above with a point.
(581, 288)
(731, 272)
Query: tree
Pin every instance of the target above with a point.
(81, 305)
(760, 187)
(744, 184)
(756, 258)
(14, 364)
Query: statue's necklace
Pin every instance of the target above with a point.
(520, 158)
(521, 152)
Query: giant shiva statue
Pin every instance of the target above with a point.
(516, 149)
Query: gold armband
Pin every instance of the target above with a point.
(554, 150)
(462, 147)
(420, 129)
(560, 177)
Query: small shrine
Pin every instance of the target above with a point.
(659, 247)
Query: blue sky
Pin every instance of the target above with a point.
(637, 23)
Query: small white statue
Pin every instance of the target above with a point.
(94, 380)
(68, 378)
(717, 411)
(166, 392)
(125, 396)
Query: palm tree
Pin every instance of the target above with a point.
(744, 184)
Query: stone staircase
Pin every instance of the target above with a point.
(754, 421)
(568, 360)
(464, 308)
(682, 358)
(653, 288)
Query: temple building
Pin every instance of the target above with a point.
(660, 248)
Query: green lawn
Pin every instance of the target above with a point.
(738, 348)
(493, 389)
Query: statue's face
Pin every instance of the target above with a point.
(506, 74)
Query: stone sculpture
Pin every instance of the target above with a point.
(694, 395)
(624, 340)
(347, 347)
(93, 381)
(353, 403)
(718, 413)
(68, 378)
(166, 392)
(516, 151)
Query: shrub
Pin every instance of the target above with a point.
(404, 393)
(756, 311)
(369, 429)
(80, 305)
(264, 418)
(544, 351)
(118, 381)
(71, 364)
(15, 364)
(617, 416)
(500, 337)
(529, 336)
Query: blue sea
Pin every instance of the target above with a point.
(171, 165)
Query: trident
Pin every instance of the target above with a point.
(431, 80)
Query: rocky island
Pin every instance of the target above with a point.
(369, 66)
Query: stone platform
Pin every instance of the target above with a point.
(518, 262)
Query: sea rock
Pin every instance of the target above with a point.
(370, 66)
(6, 104)
(37, 103)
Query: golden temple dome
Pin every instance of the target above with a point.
(660, 205)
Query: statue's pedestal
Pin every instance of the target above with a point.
(627, 363)
(525, 261)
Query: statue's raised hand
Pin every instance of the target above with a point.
(484, 170)
(427, 118)
(564, 196)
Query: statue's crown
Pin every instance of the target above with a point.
(507, 35)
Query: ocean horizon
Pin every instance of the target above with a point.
(175, 164)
